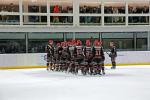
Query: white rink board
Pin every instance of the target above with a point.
(130, 57)
(30, 59)
(39, 59)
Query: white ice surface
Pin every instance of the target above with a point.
(124, 83)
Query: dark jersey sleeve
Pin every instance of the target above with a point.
(52, 51)
(93, 51)
(68, 51)
(84, 51)
(75, 51)
(102, 53)
(60, 50)
(113, 52)
(48, 49)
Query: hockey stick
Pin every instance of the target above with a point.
(107, 53)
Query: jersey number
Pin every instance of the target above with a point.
(97, 52)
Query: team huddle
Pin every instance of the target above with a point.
(72, 56)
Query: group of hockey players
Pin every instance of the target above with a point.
(72, 56)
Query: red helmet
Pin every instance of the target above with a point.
(88, 42)
(97, 43)
(73, 42)
(63, 44)
(100, 43)
(50, 41)
(68, 43)
(79, 43)
(58, 44)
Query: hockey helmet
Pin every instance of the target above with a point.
(73, 42)
(79, 43)
(96, 43)
(99, 43)
(88, 42)
(68, 43)
(58, 44)
(50, 41)
(63, 44)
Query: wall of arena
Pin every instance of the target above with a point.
(38, 60)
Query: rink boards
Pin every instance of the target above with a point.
(38, 60)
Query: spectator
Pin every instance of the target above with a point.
(85, 9)
(99, 9)
(56, 9)
(3, 50)
(134, 9)
(90, 9)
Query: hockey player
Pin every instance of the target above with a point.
(68, 55)
(88, 55)
(62, 55)
(50, 54)
(103, 58)
(65, 56)
(98, 57)
(72, 53)
(57, 55)
(78, 54)
(69, 51)
(113, 55)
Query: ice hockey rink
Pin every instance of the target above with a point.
(124, 83)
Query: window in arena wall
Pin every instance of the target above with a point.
(141, 43)
(90, 20)
(114, 8)
(123, 41)
(61, 20)
(35, 6)
(68, 36)
(9, 20)
(34, 20)
(9, 5)
(114, 20)
(141, 40)
(138, 20)
(37, 45)
(90, 7)
(138, 8)
(61, 6)
(38, 41)
(121, 44)
(12, 43)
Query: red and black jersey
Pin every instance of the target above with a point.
(64, 49)
(65, 52)
(79, 50)
(88, 51)
(71, 50)
(98, 52)
(78, 54)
